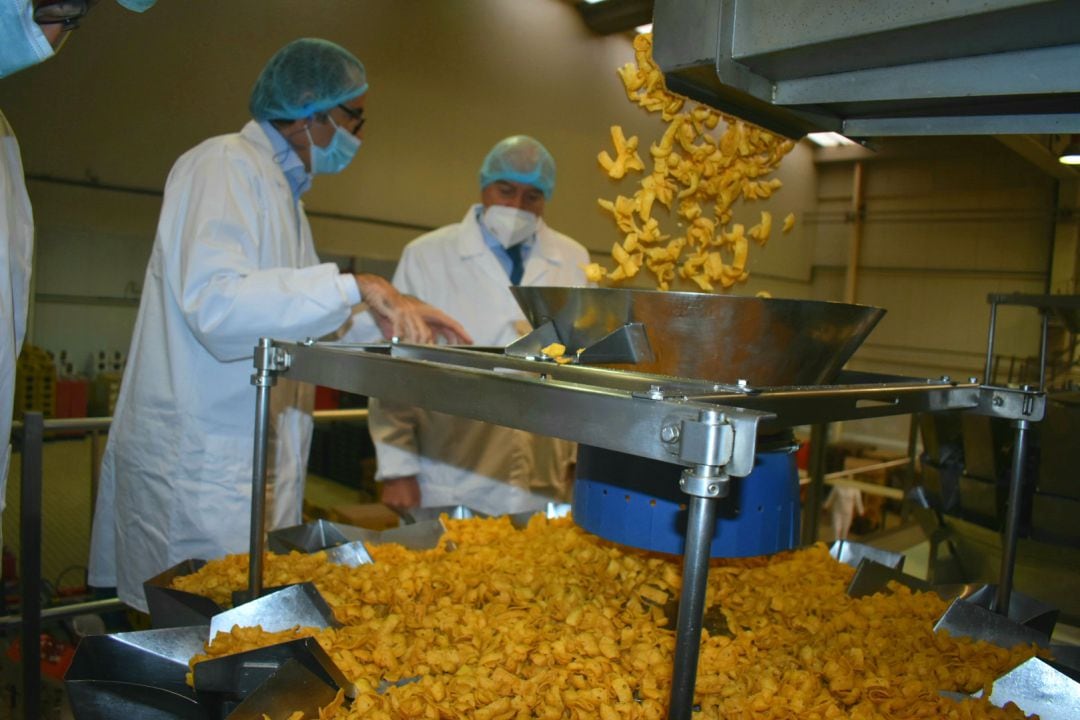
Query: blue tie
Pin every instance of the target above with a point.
(517, 268)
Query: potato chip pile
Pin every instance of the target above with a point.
(694, 164)
(551, 622)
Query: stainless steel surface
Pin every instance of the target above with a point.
(223, 683)
(169, 607)
(454, 512)
(552, 511)
(699, 528)
(965, 619)
(295, 605)
(314, 536)
(506, 391)
(30, 560)
(872, 577)
(1038, 689)
(722, 338)
(291, 686)
(1012, 517)
(852, 553)
(352, 554)
(135, 675)
(423, 535)
(876, 67)
(1023, 609)
(263, 379)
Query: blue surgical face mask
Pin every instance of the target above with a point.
(336, 156)
(137, 5)
(22, 43)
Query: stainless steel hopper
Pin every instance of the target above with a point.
(722, 338)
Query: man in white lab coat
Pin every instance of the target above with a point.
(430, 459)
(28, 35)
(234, 261)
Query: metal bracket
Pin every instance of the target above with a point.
(1024, 403)
(708, 440)
(270, 360)
(724, 439)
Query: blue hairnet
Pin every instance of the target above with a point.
(305, 77)
(137, 5)
(522, 159)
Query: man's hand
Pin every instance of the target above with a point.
(406, 318)
(401, 493)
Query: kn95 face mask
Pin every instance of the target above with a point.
(510, 225)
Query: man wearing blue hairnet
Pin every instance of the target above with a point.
(30, 33)
(430, 459)
(233, 261)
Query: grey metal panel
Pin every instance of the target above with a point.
(596, 416)
(795, 66)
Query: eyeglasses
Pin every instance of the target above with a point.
(63, 12)
(356, 115)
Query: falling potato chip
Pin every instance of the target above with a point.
(554, 350)
(789, 222)
(703, 159)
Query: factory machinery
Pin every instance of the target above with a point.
(718, 477)
(682, 404)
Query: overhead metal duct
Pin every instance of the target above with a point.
(877, 67)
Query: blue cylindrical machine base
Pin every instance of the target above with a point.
(635, 501)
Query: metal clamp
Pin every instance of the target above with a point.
(707, 481)
(269, 361)
(725, 439)
(1025, 403)
(708, 440)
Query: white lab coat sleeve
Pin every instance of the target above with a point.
(216, 218)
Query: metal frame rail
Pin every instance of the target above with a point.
(709, 428)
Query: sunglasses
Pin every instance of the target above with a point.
(63, 12)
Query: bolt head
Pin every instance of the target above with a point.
(669, 433)
(713, 489)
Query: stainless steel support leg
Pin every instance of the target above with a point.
(263, 380)
(1012, 518)
(819, 440)
(30, 562)
(909, 471)
(699, 532)
(988, 373)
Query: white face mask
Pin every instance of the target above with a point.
(509, 225)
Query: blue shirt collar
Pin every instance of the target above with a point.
(295, 173)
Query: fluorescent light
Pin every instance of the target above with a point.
(1071, 154)
(829, 139)
(644, 29)
(592, 2)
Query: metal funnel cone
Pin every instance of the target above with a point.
(720, 338)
